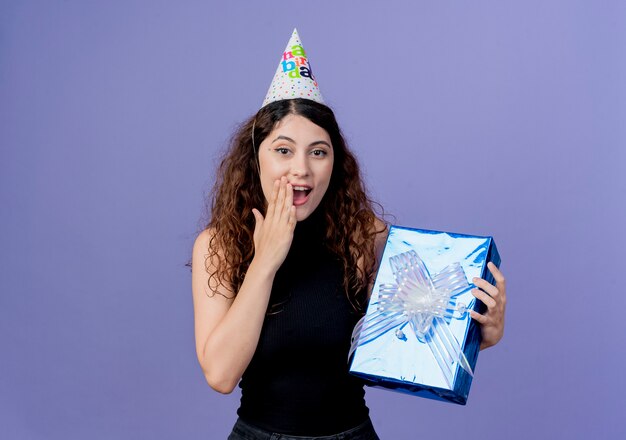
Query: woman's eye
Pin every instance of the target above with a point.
(320, 153)
(281, 150)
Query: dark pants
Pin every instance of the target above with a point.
(245, 431)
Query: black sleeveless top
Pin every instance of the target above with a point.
(297, 382)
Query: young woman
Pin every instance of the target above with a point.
(282, 272)
(281, 275)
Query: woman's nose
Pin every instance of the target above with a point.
(300, 165)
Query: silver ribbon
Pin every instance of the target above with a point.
(426, 303)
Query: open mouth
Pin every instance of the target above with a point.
(300, 194)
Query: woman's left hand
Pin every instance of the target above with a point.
(492, 322)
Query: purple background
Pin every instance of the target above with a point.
(498, 118)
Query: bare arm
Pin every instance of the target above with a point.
(227, 330)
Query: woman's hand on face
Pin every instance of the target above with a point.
(274, 232)
(492, 322)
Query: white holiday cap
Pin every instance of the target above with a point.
(294, 77)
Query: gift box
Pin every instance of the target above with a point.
(417, 335)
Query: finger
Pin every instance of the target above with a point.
(258, 224)
(499, 278)
(489, 301)
(291, 222)
(497, 275)
(272, 202)
(486, 286)
(258, 218)
(280, 200)
(478, 317)
(288, 200)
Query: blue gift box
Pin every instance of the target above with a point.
(417, 335)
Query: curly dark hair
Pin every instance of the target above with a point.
(348, 211)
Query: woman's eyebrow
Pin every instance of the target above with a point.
(320, 143)
(312, 144)
(284, 138)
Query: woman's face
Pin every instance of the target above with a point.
(301, 151)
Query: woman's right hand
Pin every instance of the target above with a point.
(273, 233)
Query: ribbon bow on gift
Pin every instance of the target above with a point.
(426, 303)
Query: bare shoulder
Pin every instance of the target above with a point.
(202, 240)
(381, 230)
(205, 261)
(380, 227)
(201, 254)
